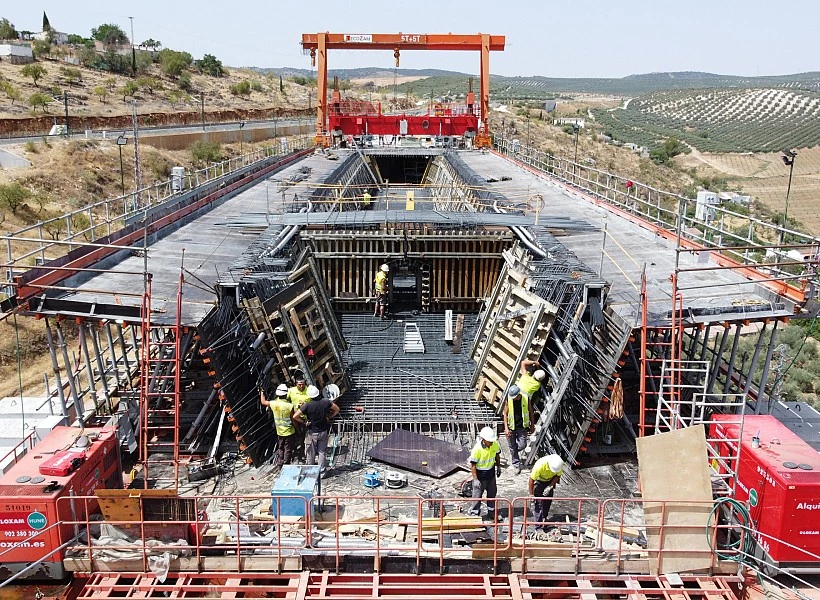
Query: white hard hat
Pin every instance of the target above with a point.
(385, 267)
(331, 391)
(281, 390)
(488, 434)
(312, 391)
(555, 463)
(539, 375)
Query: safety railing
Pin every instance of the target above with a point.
(11, 457)
(53, 237)
(768, 248)
(246, 533)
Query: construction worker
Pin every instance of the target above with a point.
(484, 467)
(282, 411)
(380, 291)
(546, 473)
(366, 198)
(518, 423)
(318, 415)
(530, 383)
(298, 394)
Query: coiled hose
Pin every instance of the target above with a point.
(739, 554)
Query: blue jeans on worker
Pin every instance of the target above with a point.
(517, 438)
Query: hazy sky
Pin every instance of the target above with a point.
(583, 38)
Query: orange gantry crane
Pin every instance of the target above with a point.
(319, 43)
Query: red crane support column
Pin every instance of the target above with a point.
(321, 99)
(483, 138)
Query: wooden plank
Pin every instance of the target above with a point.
(683, 539)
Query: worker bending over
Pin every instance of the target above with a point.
(531, 378)
(485, 467)
(318, 415)
(380, 291)
(282, 411)
(546, 473)
(518, 423)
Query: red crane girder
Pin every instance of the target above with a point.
(319, 43)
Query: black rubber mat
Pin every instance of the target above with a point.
(420, 454)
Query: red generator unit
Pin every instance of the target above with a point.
(34, 496)
(779, 477)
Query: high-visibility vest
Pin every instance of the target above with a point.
(381, 278)
(484, 458)
(281, 417)
(541, 471)
(525, 411)
(296, 397)
(366, 198)
(528, 384)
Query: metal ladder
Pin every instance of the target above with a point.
(413, 344)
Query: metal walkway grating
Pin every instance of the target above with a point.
(393, 387)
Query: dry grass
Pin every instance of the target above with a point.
(765, 177)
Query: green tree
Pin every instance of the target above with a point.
(70, 75)
(41, 48)
(144, 61)
(175, 97)
(7, 30)
(211, 65)
(129, 89)
(12, 93)
(38, 99)
(206, 152)
(184, 82)
(12, 196)
(88, 57)
(35, 71)
(151, 44)
(173, 63)
(281, 85)
(109, 34)
(76, 40)
(101, 92)
(149, 83)
(46, 23)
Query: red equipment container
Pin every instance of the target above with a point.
(779, 476)
(68, 462)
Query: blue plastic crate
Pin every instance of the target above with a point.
(293, 490)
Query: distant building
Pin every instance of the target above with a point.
(550, 105)
(16, 54)
(705, 205)
(575, 121)
(124, 49)
(57, 37)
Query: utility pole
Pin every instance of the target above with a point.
(137, 164)
(577, 129)
(202, 109)
(65, 103)
(133, 50)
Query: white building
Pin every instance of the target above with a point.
(705, 206)
(16, 54)
(575, 121)
(57, 37)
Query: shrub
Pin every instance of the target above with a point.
(184, 82)
(129, 89)
(243, 88)
(256, 86)
(206, 152)
(211, 65)
(173, 63)
(71, 76)
(12, 195)
(101, 92)
(31, 147)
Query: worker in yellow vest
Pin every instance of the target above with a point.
(380, 291)
(484, 467)
(282, 411)
(297, 395)
(366, 198)
(546, 474)
(518, 423)
(531, 378)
